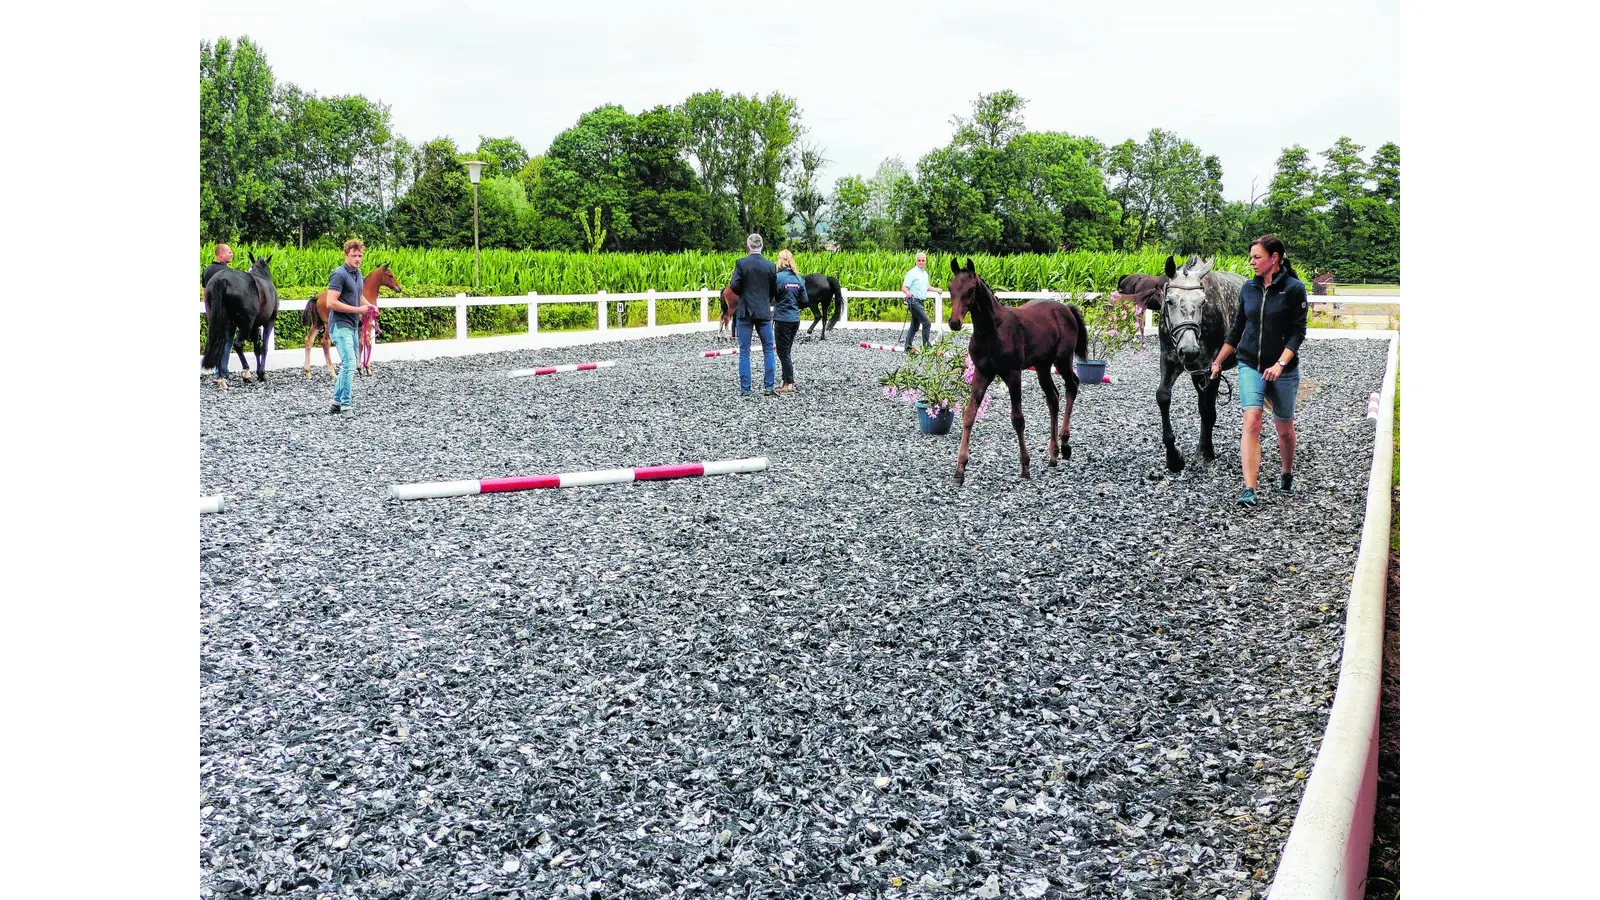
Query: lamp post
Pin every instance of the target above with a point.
(474, 171)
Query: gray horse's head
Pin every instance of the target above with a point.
(1183, 308)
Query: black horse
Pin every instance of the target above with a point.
(1196, 312)
(826, 302)
(243, 306)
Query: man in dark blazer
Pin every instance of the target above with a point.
(755, 280)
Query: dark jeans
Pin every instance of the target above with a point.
(918, 314)
(785, 332)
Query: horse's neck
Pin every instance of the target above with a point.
(986, 313)
(369, 287)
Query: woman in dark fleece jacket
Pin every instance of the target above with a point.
(1269, 326)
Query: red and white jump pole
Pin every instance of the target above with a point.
(435, 489)
(212, 504)
(1372, 406)
(892, 348)
(731, 351)
(570, 367)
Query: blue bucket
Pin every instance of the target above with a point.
(939, 424)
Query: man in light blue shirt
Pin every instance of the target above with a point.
(915, 289)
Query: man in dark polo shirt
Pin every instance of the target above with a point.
(344, 317)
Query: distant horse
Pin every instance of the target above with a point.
(315, 319)
(1196, 313)
(730, 302)
(1005, 341)
(823, 291)
(1146, 292)
(240, 306)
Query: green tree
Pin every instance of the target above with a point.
(1293, 210)
(807, 197)
(437, 210)
(501, 156)
(851, 197)
(241, 141)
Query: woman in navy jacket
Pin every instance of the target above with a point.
(1269, 326)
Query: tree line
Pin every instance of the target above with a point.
(280, 164)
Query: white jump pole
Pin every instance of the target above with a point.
(436, 489)
(213, 504)
(731, 351)
(570, 367)
(892, 348)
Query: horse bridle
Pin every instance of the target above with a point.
(1172, 335)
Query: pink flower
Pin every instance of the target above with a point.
(889, 392)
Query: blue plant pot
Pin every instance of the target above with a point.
(1092, 371)
(930, 424)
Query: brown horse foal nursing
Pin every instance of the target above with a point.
(315, 319)
(1005, 341)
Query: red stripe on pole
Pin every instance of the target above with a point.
(522, 483)
(658, 473)
(547, 370)
(584, 367)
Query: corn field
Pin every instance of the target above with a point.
(513, 272)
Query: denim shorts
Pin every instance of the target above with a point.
(1252, 387)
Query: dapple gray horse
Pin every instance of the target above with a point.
(1196, 312)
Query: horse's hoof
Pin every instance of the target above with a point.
(1174, 463)
(1066, 452)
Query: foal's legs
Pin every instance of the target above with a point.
(1013, 381)
(980, 384)
(1052, 400)
(1069, 378)
(311, 338)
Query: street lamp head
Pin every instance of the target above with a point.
(474, 169)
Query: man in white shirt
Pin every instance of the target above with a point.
(915, 289)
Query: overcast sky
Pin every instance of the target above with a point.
(1242, 80)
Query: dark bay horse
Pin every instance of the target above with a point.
(315, 319)
(1196, 312)
(240, 306)
(1005, 341)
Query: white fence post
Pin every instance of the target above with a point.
(272, 340)
(938, 307)
(461, 317)
(600, 315)
(844, 308)
(651, 319)
(533, 312)
(705, 306)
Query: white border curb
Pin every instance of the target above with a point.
(1326, 855)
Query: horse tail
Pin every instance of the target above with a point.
(1082, 344)
(838, 301)
(219, 327)
(308, 316)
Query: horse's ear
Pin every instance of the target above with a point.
(955, 265)
(252, 255)
(970, 267)
(1172, 268)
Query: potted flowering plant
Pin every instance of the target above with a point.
(1113, 327)
(933, 379)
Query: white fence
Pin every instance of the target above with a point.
(707, 297)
